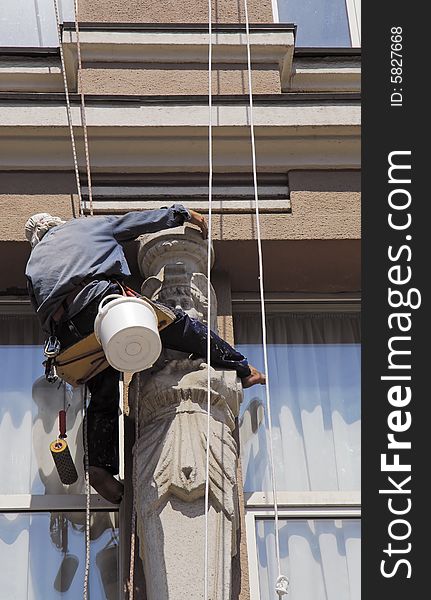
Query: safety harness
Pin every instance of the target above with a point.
(85, 359)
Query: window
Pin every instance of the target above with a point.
(314, 371)
(322, 23)
(32, 23)
(43, 555)
(321, 557)
(42, 522)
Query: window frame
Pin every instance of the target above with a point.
(294, 505)
(289, 513)
(353, 8)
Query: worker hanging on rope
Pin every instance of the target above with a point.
(72, 266)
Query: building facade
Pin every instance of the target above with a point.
(145, 79)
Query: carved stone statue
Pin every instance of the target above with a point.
(171, 447)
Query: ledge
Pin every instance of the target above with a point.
(177, 27)
(323, 98)
(346, 499)
(326, 73)
(287, 111)
(170, 134)
(59, 502)
(231, 194)
(132, 44)
(30, 70)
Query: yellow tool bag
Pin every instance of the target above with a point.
(85, 359)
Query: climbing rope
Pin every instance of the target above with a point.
(281, 584)
(87, 497)
(130, 583)
(82, 213)
(68, 108)
(83, 111)
(210, 185)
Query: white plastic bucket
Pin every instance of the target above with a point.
(127, 330)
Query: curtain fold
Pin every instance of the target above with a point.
(314, 374)
(320, 557)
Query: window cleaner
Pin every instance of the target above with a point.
(73, 267)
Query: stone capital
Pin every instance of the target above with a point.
(179, 245)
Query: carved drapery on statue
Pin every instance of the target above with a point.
(171, 448)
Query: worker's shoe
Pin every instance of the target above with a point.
(106, 485)
(254, 378)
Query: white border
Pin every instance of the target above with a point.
(275, 14)
(353, 8)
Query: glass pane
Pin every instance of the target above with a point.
(321, 558)
(314, 374)
(321, 23)
(29, 408)
(32, 23)
(43, 556)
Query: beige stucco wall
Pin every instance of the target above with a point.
(315, 215)
(165, 82)
(173, 11)
(325, 206)
(16, 209)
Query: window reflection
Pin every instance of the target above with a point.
(321, 23)
(29, 407)
(43, 555)
(320, 557)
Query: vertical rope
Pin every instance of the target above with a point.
(87, 494)
(281, 584)
(87, 164)
(83, 111)
(210, 184)
(81, 212)
(68, 108)
(131, 583)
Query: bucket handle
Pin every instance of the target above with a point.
(110, 296)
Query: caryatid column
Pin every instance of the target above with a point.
(171, 447)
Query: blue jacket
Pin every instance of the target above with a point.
(87, 248)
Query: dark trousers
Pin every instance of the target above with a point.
(184, 334)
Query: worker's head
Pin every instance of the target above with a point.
(38, 225)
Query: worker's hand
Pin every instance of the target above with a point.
(199, 220)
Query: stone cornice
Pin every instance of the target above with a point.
(143, 135)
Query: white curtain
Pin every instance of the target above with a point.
(321, 558)
(29, 408)
(314, 373)
(32, 22)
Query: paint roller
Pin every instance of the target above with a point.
(61, 454)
